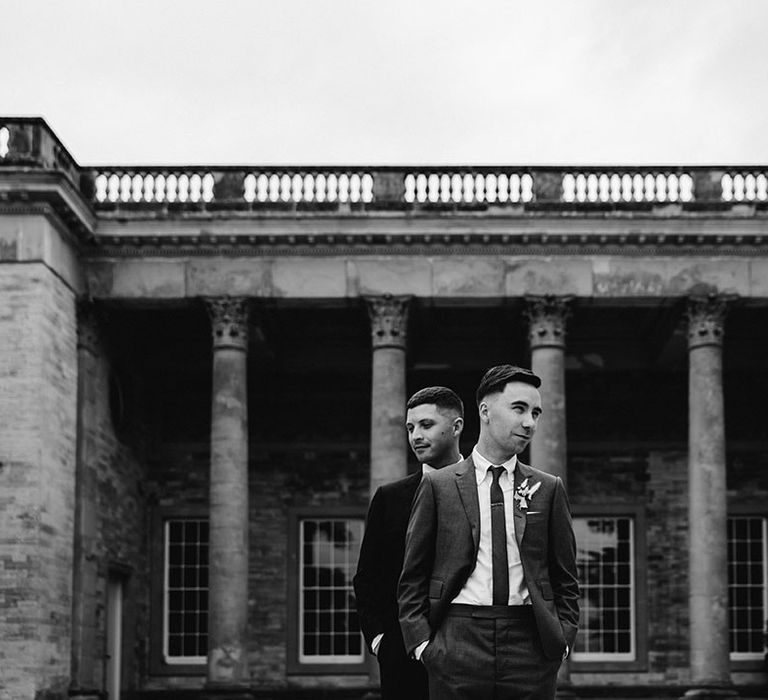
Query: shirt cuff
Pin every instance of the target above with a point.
(419, 650)
(375, 643)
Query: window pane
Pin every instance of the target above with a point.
(186, 595)
(329, 629)
(606, 571)
(747, 585)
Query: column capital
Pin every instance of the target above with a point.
(706, 319)
(547, 316)
(229, 321)
(389, 320)
(88, 326)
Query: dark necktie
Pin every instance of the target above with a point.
(499, 541)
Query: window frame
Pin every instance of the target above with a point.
(748, 510)
(158, 666)
(293, 664)
(637, 514)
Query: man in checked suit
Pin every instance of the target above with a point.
(488, 594)
(434, 421)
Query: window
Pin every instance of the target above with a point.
(326, 628)
(185, 613)
(747, 590)
(606, 563)
(179, 627)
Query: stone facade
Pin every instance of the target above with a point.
(115, 411)
(38, 373)
(117, 464)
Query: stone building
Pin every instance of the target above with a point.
(202, 379)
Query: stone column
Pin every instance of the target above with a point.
(547, 317)
(707, 512)
(83, 685)
(228, 673)
(389, 448)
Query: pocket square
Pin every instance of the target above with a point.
(533, 512)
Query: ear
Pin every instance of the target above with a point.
(482, 409)
(458, 425)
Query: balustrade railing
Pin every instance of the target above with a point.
(741, 185)
(467, 186)
(631, 185)
(28, 143)
(157, 185)
(309, 186)
(3, 141)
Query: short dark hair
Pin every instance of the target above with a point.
(441, 396)
(496, 378)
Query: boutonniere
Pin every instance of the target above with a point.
(524, 493)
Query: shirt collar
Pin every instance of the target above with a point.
(427, 468)
(482, 464)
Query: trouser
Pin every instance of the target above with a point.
(489, 653)
(402, 678)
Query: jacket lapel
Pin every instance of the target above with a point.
(522, 472)
(467, 485)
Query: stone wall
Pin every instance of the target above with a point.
(38, 376)
(116, 469)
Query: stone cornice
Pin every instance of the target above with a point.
(428, 244)
(48, 191)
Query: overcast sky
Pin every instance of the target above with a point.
(392, 81)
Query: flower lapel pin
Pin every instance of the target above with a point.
(524, 493)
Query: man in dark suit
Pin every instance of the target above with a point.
(489, 595)
(434, 421)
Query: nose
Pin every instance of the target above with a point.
(529, 421)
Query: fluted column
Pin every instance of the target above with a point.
(389, 450)
(707, 512)
(83, 684)
(228, 547)
(547, 318)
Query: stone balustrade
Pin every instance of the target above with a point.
(29, 144)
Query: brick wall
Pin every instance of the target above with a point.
(667, 566)
(279, 482)
(656, 481)
(37, 462)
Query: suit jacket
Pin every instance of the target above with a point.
(441, 551)
(381, 559)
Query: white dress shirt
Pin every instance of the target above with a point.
(478, 590)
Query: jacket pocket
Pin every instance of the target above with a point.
(435, 588)
(546, 590)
